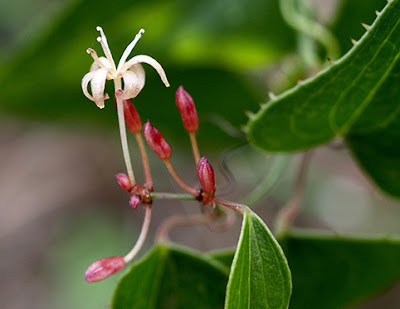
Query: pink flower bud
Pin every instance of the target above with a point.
(205, 173)
(134, 201)
(156, 141)
(124, 181)
(104, 268)
(186, 107)
(132, 117)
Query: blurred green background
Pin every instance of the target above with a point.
(60, 206)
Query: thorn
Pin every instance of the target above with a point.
(377, 13)
(249, 114)
(367, 27)
(353, 41)
(329, 60)
(271, 95)
(299, 82)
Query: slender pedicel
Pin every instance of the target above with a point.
(122, 132)
(179, 181)
(142, 236)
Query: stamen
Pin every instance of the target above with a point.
(104, 44)
(129, 48)
(96, 59)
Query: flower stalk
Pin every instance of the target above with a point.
(142, 237)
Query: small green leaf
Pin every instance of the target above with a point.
(331, 102)
(172, 278)
(260, 275)
(334, 272)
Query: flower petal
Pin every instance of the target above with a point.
(98, 84)
(133, 82)
(148, 60)
(85, 81)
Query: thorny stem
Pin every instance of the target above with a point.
(170, 223)
(195, 148)
(172, 196)
(290, 211)
(143, 154)
(142, 236)
(235, 206)
(178, 180)
(122, 132)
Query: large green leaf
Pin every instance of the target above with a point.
(334, 272)
(350, 14)
(329, 103)
(356, 97)
(260, 276)
(172, 278)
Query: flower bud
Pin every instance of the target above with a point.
(104, 268)
(132, 118)
(205, 173)
(134, 201)
(156, 141)
(186, 107)
(124, 181)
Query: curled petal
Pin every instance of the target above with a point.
(133, 82)
(85, 81)
(98, 84)
(150, 61)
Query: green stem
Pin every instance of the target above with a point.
(172, 196)
(310, 27)
(268, 182)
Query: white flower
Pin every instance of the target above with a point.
(130, 71)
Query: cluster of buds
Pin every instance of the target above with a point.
(133, 75)
(139, 194)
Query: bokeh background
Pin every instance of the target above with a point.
(60, 207)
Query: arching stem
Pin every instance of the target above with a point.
(142, 236)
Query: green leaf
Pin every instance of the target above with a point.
(333, 272)
(350, 14)
(169, 277)
(328, 104)
(260, 275)
(379, 155)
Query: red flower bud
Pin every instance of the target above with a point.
(186, 107)
(104, 268)
(132, 117)
(124, 181)
(134, 201)
(156, 141)
(205, 173)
